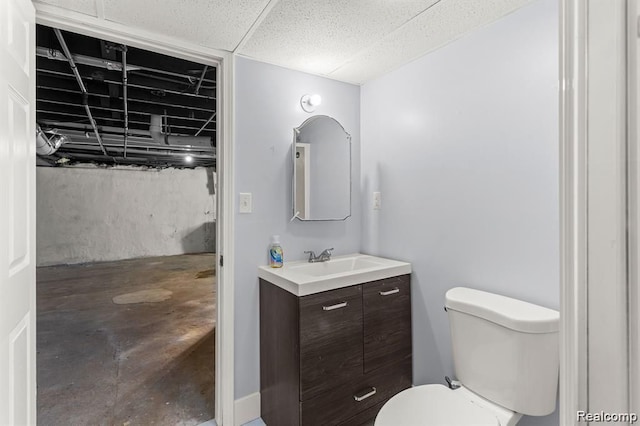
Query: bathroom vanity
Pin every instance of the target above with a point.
(335, 340)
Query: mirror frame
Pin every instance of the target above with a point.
(296, 134)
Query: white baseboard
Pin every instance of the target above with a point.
(247, 409)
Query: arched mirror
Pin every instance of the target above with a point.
(321, 170)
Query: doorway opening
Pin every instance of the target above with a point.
(126, 221)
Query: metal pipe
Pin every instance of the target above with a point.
(111, 66)
(110, 140)
(156, 155)
(43, 145)
(53, 111)
(150, 149)
(79, 131)
(142, 151)
(124, 95)
(144, 101)
(85, 94)
(48, 145)
(205, 124)
(110, 80)
(204, 71)
(155, 129)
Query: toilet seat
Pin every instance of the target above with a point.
(434, 405)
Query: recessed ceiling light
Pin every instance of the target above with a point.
(188, 159)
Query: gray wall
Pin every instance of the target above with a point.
(97, 214)
(267, 108)
(463, 145)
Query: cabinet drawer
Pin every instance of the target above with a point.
(387, 322)
(366, 417)
(330, 340)
(340, 405)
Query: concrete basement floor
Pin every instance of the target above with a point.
(129, 342)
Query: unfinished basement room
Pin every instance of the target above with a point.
(126, 234)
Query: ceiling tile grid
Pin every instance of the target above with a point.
(88, 7)
(319, 36)
(349, 40)
(219, 24)
(441, 24)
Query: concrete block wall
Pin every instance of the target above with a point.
(88, 214)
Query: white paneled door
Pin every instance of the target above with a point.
(17, 214)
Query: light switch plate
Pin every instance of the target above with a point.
(245, 202)
(377, 201)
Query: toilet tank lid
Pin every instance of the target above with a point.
(505, 311)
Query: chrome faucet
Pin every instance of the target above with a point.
(322, 257)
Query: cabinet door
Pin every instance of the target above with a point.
(387, 322)
(357, 401)
(330, 340)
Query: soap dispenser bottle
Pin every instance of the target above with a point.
(275, 252)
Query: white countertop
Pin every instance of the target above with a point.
(302, 278)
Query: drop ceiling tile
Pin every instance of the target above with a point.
(88, 7)
(320, 36)
(444, 22)
(219, 24)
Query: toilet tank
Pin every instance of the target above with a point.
(505, 350)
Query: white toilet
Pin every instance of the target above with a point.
(505, 355)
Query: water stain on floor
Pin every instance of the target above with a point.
(206, 273)
(153, 295)
(102, 363)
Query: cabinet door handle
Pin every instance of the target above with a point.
(366, 395)
(336, 306)
(390, 292)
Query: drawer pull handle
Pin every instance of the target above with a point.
(336, 306)
(366, 395)
(390, 292)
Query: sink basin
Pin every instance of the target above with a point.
(303, 278)
(335, 266)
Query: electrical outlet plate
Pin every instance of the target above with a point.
(377, 201)
(245, 202)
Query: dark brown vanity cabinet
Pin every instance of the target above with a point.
(333, 358)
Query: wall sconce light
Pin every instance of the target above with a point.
(310, 102)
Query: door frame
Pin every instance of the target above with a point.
(57, 17)
(573, 209)
(633, 151)
(596, 184)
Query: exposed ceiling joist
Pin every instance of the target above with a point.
(107, 96)
(140, 103)
(52, 70)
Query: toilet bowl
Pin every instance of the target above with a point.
(505, 356)
(439, 405)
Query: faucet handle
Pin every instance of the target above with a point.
(326, 252)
